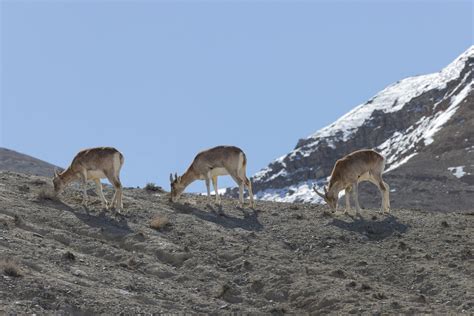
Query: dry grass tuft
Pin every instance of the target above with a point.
(159, 222)
(10, 267)
(47, 194)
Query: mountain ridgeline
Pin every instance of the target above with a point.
(423, 125)
(11, 160)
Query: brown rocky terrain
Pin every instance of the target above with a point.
(57, 257)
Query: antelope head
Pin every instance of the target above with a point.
(58, 183)
(176, 187)
(328, 197)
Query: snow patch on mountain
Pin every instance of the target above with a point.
(301, 192)
(399, 148)
(458, 172)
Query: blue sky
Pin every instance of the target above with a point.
(161, 80)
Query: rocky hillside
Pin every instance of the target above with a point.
(57, 257)
(423, 125)
(11, 160)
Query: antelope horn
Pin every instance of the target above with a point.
(325, 190)
(176, 176)
(318, 193)
(171, 177)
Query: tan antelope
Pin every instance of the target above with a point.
(210, 163)
(361, 165)
(94, 164)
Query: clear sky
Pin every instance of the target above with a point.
(161, 80)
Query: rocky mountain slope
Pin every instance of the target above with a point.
(423, 125)
(57, 257)
(11, 160)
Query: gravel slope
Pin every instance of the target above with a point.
(278, 258)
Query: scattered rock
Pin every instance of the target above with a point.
(277, 310)
(402, 246)
(257, 286)
(338, 274)
(69, 256)
(326, 302)
(379, 296)
(420, 299)
(365, 287)
(24, 188)
(38, 235)
(78, 273)
(277, 295)
(298, 217)
(466, 254)
(247, 265)
(229, 293)
(327, 213)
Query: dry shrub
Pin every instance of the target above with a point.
(151, 187)
(47, 194)
(10, 267)
(159, 222)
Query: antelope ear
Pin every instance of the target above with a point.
(56, 172)
(171, 177)
(325, 190)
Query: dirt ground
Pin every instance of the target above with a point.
(57, 257)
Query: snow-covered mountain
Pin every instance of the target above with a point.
(405, 122)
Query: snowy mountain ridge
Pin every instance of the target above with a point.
(431, 99)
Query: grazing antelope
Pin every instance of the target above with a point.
(94, 164)
(361, 165)
(210, 163)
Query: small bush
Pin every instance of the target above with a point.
(10, 268)
(159, 222)
(151, 187)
